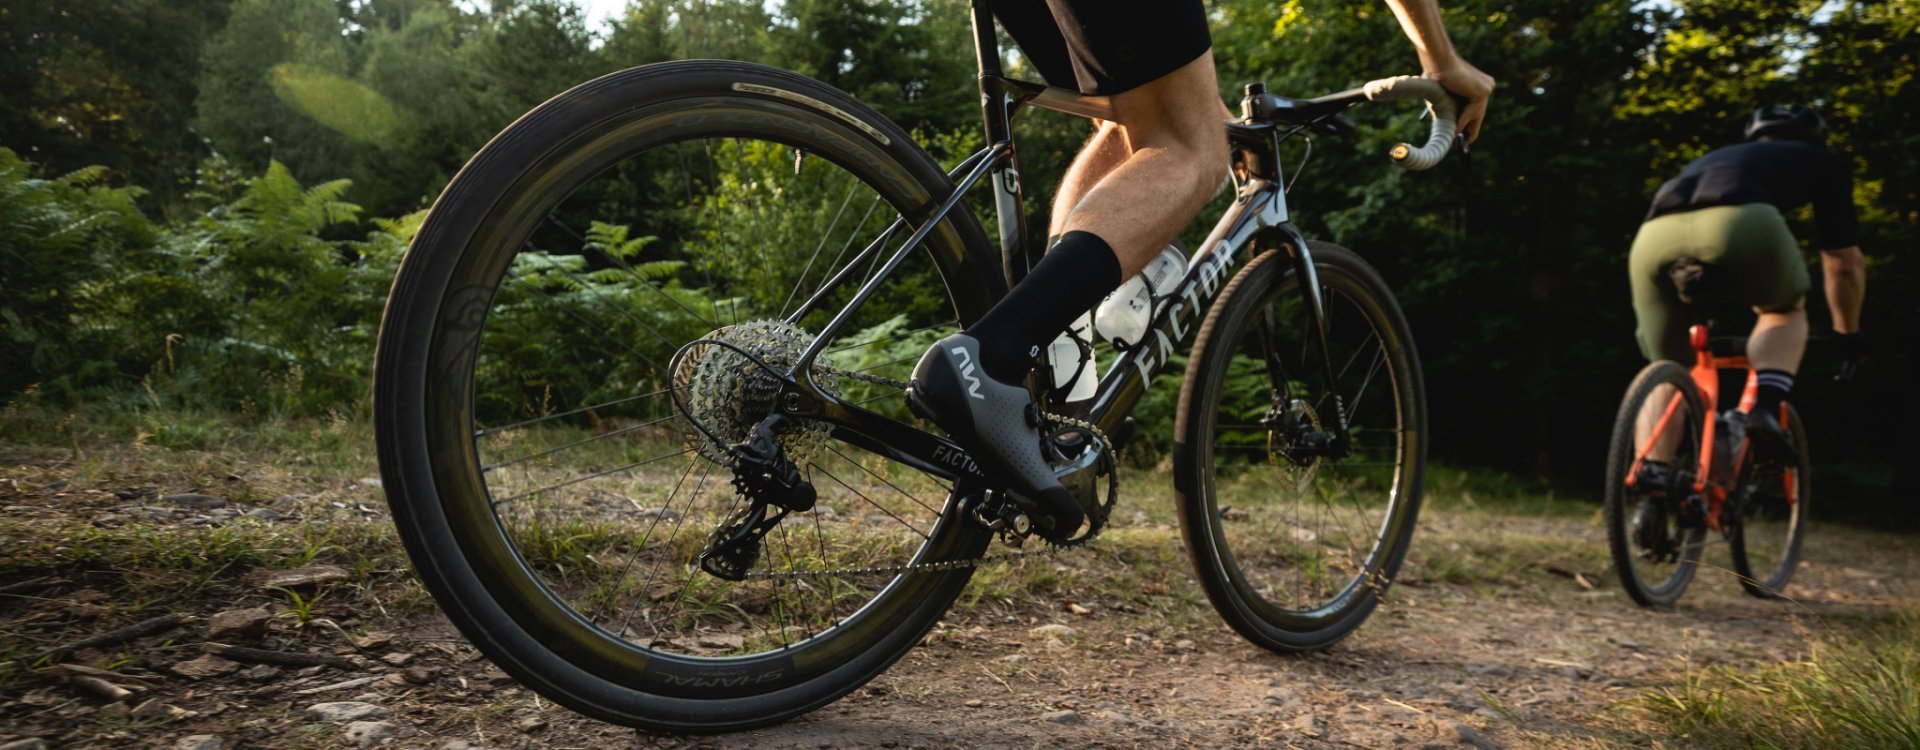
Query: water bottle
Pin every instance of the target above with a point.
(1075, 372)
(1123, 317)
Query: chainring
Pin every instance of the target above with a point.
(1081, 471)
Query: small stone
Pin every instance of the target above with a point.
(1471, 736)
(1277, 696)
(312, 575)
(1054, 630)
(261, 672)
(207, 665)
(248, 624)
(115, 710)
(532, 724)
(373, 640)
(346, 711)
(1067, 716)
(200, 742)
(975, 703)
(195, 500)
(370, 733)
(419, 675)
(156, 710)
(1185, 644)
(462, 745)
(398, 658)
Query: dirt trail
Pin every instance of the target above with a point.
(1533, 646)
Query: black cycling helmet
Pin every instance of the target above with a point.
(1787, 121)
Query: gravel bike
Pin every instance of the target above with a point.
(1658, 522)
(639, 391)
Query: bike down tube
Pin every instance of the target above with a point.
(1259, 209)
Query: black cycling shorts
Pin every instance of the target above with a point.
(1105, 47)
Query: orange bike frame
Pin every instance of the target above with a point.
(1706, 377)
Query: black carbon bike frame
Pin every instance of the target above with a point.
(1255, 223)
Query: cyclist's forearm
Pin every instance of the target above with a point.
(1420, 19)
(1846, 284)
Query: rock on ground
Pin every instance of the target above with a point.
(346, 711)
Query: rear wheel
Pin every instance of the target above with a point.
(535, 442)
(1293, 540)
(1773, 516)
(1654, 524)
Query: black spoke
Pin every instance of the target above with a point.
(870, 501)
(821, 245)
(885, 481)
(641, 545)
(575, 444)
(572, 412)
(594, 475)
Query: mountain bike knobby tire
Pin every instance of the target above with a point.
(1655, 582)
(424, 385)
(1296, 553)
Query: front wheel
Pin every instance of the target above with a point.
(1655, 522)
(1294, 536)
(1773, 516)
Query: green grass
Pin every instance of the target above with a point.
(1856, 688)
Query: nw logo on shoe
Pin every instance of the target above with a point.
(966, 371)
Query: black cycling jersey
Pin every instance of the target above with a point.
(1786, 173)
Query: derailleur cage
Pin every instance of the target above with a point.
(764, 476)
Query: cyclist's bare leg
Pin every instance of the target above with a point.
(1668, 441)
(1176, 154)
(1104, 151)
(1779, 339)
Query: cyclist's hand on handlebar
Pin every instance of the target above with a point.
(1470, 84)
(1855, 350)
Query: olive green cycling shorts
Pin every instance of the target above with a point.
(1751, 257)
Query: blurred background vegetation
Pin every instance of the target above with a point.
(202, 202)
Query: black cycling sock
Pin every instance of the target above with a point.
(1774, 386)
(1070, 279)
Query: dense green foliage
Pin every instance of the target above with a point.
(236, 284)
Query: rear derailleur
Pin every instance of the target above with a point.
(772, 486)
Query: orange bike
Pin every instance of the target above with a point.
(1674, 475)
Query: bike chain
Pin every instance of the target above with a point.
(1052, 548)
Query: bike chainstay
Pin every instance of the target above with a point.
(1052, 548)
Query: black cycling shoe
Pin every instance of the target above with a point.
(998, 424)
(1768, 439)
(1654, 484)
